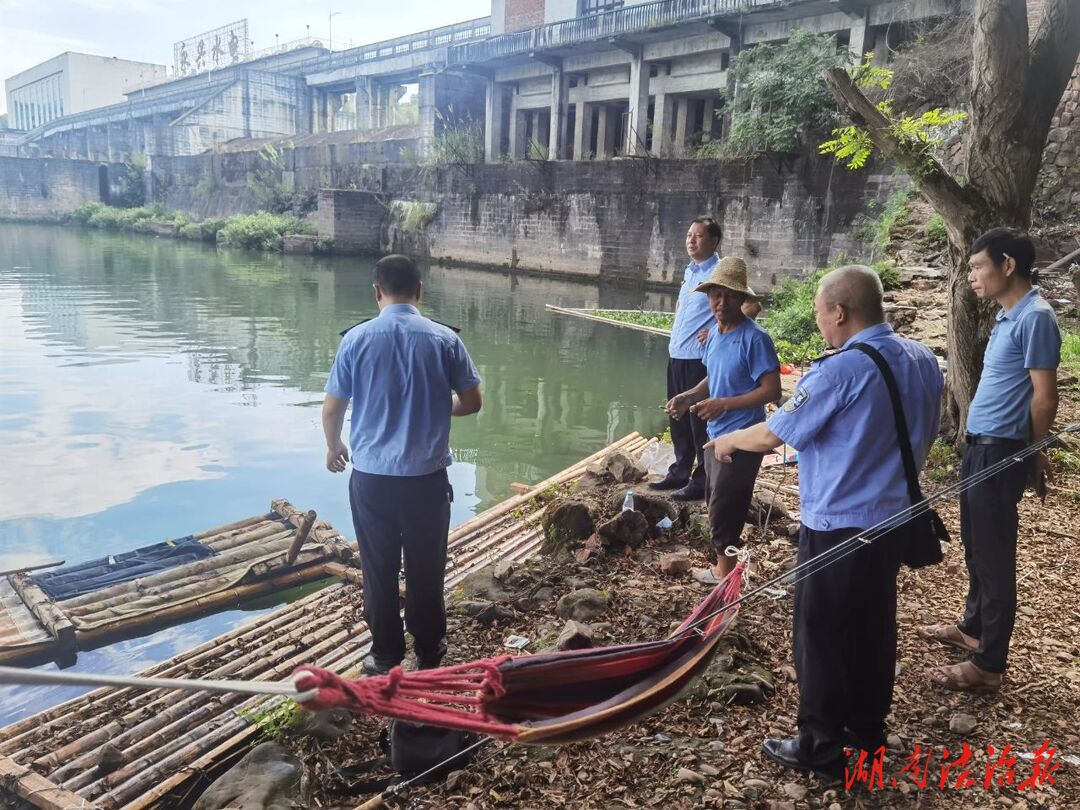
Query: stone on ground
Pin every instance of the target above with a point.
(268, 778)
(582, 605)
(628, 528)
(566, 524)
(614, 468)
(575, 636)
(675, 563)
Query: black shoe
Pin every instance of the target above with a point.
(668, 482)
(691, 492)
(857, 742)
(787, 754)
(372, 667)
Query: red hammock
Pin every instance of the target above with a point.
(555, 697)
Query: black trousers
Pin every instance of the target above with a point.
(729, 491)
(988, 527)
(410, 515)
(687, 434)
(845, 644)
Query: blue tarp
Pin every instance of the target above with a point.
(76, 580)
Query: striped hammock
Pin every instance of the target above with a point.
(548, 698)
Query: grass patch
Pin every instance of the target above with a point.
(942, 461)
(934, 232)
(138, 220)
(656, 320)
(1070, 350)
(262, 231)
(894, 215)
(1064, 459)
(273, 722)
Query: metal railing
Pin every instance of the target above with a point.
(620, 22)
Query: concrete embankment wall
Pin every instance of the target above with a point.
(618, 219)
(47, 189)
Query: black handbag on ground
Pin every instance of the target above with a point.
(920, 542)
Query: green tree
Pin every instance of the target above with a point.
(779, 100)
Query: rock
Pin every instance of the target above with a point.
(898, 316)
(894, 743)
(961, 723)
(300, 243)
(794, 790)
(765, 505)
(708, 769)
(565, 526)
(628, 528)
(788, 672)
(109, 757)
(453, 779)
(717, 746)
(486, 613)
(744, 694)
(574, 636)
(615, 468)
(593, 547)
(654, 507)
(268, 778)
(775, 805)
(161, 229)
(675, 564)
(1020, 805)
(756, 784)
(484, 585)
(713, 793)
(687, 775)
(582, 605)
(327, 725)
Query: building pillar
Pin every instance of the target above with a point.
(857, 38)
(734, 48)
(516, 136)
(582, 129)
(426, 102)
(605, 133)
(363, 102)
(708, 119)
(682, 113)
(663, 106)
(637, 126)
(493, 115)
(557, 121)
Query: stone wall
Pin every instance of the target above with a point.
(45, 189)
(1058, 193)
(522, 14)
(621, 220)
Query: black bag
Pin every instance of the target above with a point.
(921, 537)
(416, 748)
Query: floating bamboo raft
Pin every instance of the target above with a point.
(590, 315)
(166, 738)
(251, 557)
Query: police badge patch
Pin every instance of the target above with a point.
(797, 400)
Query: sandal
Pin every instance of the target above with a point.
(947, 634)
(956, 679)
(706, 577)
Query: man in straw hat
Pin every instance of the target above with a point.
(742, 374)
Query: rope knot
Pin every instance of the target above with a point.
(393, 681)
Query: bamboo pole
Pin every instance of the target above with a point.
(306, 522)
(577, 313)
(46, 611)
(346, 572)
(236, 524)
(36, 789)
(22, 569)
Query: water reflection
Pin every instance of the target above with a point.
(152, 388)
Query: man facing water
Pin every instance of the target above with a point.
(406, 376)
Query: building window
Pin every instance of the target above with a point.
(590, 7)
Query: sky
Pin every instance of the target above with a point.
(32, 31)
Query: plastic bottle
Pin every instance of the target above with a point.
(628, 502)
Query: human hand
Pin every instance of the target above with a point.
(1041, 474)
(337, 457)
(708, 409)
(722, 447)
(677, 406)
(702, 336)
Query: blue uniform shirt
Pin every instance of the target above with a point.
(1025, 337)
(736, 362)
(399, 370)
(693, 313)
(840, 420)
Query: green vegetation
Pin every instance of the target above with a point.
(413, 216)
(460, 142)
(1063, 458)
(275, 721)
(260, 231)
(894, 215)
(656, 320)
(942, 461)
(934, 232)
(916, 135)
(131, 184)
(781, 100)
(1070, 350)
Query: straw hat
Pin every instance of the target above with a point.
(730, 272)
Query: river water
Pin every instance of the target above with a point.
(151, 388)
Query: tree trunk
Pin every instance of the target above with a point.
(1015, 90)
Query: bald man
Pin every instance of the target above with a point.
(851, 477)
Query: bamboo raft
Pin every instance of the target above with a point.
(251, 557)
(166, 739)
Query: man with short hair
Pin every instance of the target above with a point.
(851, 478)
(406, 376)
(1014, 405)
(743, 373)
(693, 318)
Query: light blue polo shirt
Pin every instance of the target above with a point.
(840, 420)
(399, 370)
(693, 313)
(1025, 337)
(735, 362)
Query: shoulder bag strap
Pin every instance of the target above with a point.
(910, 471)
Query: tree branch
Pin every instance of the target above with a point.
(940, 188)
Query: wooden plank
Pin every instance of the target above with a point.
(36, 789)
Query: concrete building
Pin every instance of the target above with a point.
(73, 83)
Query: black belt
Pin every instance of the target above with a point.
(971, 438)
